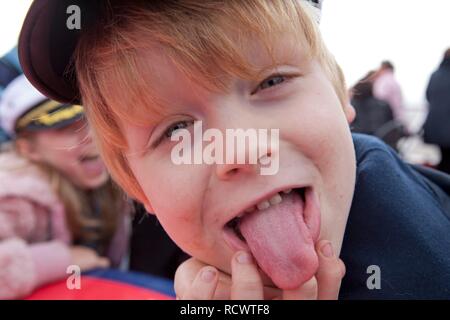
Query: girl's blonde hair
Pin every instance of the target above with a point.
(203, 38)
(92, 215)
(81, 207)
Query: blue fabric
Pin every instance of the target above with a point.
(13, 57)
(9, 70)
(142, 280)
(3, 136)
(400, 222)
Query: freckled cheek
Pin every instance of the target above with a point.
(331, 152)
(313, 133)
(177, 211)
(319, 131)
(174, 193)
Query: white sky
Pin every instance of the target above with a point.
(12, 13)
(361, 33)
(413, 34)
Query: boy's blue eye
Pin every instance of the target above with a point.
(270, 82)
(168, 133)
(176, 126)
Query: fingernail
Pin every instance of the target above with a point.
(244, 258)
(208, 275)
(327, 250)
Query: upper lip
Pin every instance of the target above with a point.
(266, 196)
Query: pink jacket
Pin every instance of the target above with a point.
(34, 239)
(387, 88)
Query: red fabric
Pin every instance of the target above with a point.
(96, 289)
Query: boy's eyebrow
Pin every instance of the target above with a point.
(276, 68)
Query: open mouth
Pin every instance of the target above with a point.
(87, 158)
(280, 231)
(233, 227)
(92, 165)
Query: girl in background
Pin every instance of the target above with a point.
(58, 206)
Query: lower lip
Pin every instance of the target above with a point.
(309, 211)
(233, 240)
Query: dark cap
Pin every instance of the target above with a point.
(48, 39)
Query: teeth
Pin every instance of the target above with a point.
(263, 205)
(276, 199)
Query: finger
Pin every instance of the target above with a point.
(203, 286)
(271, 292)
(103, 262)
(330, 273)
(223, 290)
(188, 270)
(246, 280)
(308, 291)
(185, 275)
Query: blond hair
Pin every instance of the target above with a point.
(107, 202)
(92, 216)
(204, 39)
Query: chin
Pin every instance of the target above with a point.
(95, 182)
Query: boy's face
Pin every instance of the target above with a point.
(195, 203)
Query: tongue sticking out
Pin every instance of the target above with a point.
(282, 241)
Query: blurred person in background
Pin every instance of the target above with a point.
(387, 88)
(373, 116)
(58, 206)
(437, 124)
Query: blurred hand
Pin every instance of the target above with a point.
(197, 281)
(87, 259)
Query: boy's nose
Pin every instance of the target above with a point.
(228, 171)
(232, 170)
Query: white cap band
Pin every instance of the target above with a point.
(18, 97)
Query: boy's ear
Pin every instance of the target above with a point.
(27, 149)
(350, 112)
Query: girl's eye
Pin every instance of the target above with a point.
(270, 82)
(176, 126)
